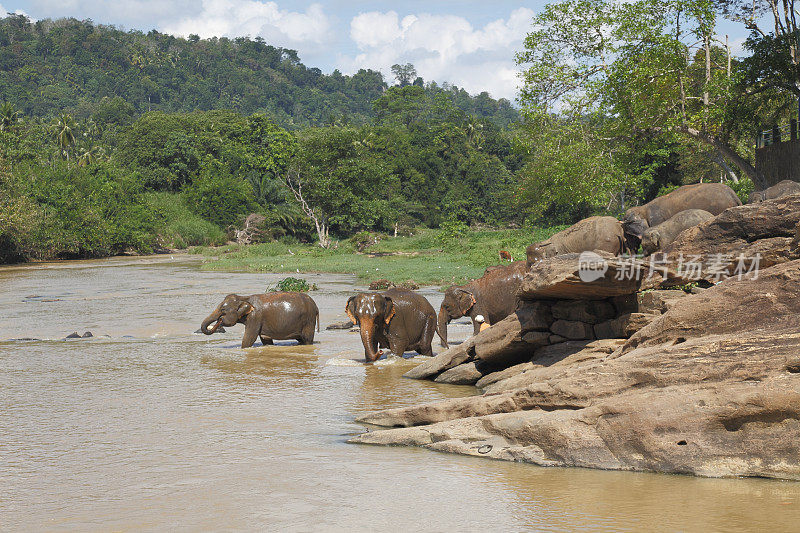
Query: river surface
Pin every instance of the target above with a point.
(149, 426)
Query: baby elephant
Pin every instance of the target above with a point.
(779, 190)
(272, 316)
(396, 319)
(660, 236)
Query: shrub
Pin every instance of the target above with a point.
(451, 230)
(177, 227)
(363, 240)
(743, 189)
(292, 285)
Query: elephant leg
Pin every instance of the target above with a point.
(266, 341)
(307, 335)
(250, 336)
(424, 346)
(476, 327)
(398, 347)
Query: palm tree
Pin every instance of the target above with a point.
(9, 116)
(64, 131)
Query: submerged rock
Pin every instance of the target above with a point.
(341, 325)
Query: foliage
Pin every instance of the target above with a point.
(217, 195)
(291, 284)
(86, 69)
(451, 230)
(743, 189)
(363, 240)
(178, 227)
(647, 66)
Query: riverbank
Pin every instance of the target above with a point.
(614, 371)
(429, 257)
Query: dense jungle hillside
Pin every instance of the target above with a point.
(117, 141)
(68, 65)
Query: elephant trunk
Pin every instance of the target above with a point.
(369, 340)
(213, 317)
(441, 326)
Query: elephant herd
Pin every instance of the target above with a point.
(401, 320)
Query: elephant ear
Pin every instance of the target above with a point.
(465, 300)
(350, 309)
(245, 308)
(389, 310)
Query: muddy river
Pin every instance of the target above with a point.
(149, 426)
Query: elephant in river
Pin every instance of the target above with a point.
(271, 316)
(712, 197)
(486, 300)
(661, 236)
(396, 319)
(593, 233)
(779, 190)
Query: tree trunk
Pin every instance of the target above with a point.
(743, 165)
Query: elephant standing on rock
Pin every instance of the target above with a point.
(661, 236)
(396, 319)
(593, 233)
(271, 316)
(712, 197)
(486, 300)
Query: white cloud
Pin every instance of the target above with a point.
(443, 48)
(255, 18)
(4, 12)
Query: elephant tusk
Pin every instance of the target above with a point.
(216, 325)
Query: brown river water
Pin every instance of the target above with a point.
(148, 426)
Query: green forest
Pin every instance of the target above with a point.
(117, 141)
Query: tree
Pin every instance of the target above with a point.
(64, 129)
(650, 64)
(294, 181)
(9, 116)
(404, 74)
(776, 50)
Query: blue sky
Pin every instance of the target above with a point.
(467, 43)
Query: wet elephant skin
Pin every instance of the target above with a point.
(492, 296)
(271, 316)
(397, 319)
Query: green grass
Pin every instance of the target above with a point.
(422, 257)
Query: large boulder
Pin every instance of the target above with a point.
(711, 387)
(570, 277)
(504, 343)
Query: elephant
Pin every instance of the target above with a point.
(486, 300)
(659, 237)
(779, 190)
(593, 233)
(712, 197)
(397, 319)
(271, 316)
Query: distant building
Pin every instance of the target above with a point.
(778, 154)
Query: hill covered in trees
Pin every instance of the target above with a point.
(67, 65)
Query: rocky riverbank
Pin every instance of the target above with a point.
(613, 374)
